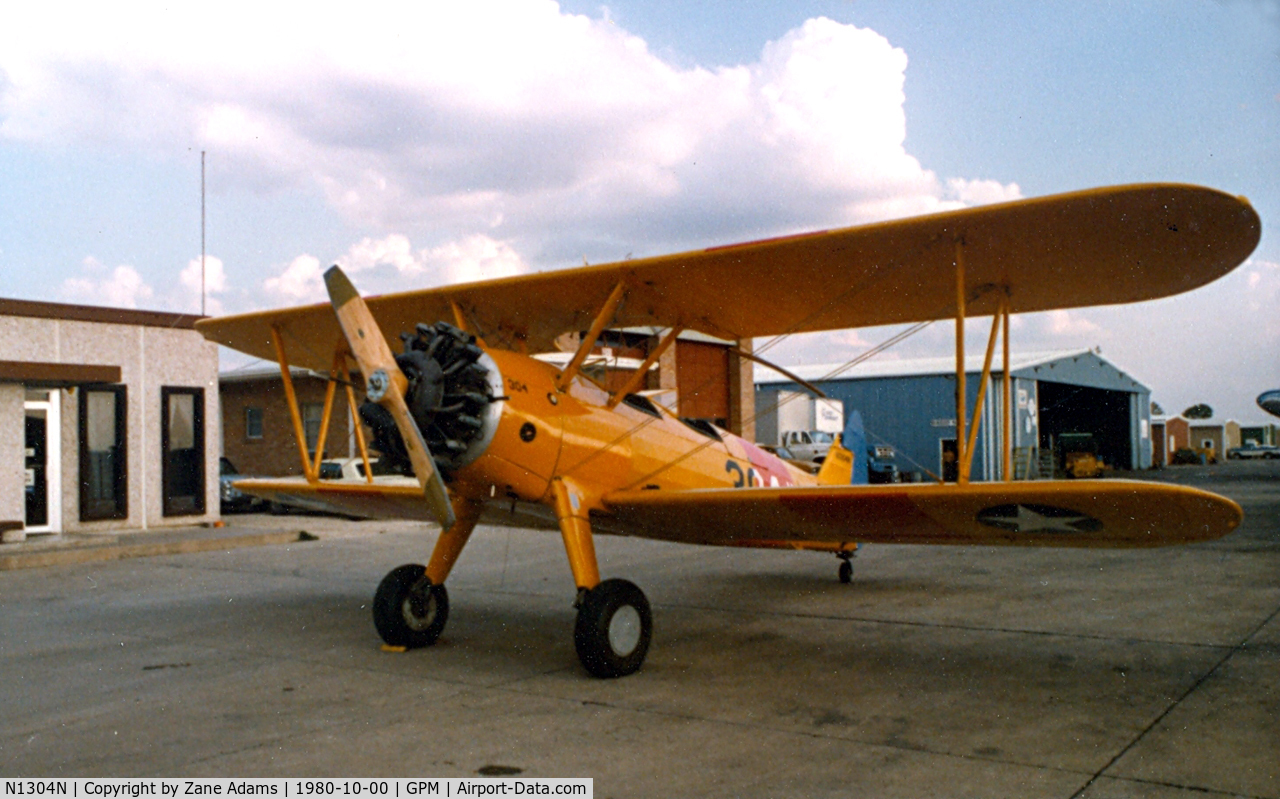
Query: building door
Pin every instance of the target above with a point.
(37, 486)
(104, 468)
(702, 379)
(182, 442)
(950, 460)
(43, 466)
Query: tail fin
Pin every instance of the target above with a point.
(837, 469)
(846, 461)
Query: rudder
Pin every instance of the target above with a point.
(846, 461)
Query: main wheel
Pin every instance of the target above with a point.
(408, 610)
(613, 629)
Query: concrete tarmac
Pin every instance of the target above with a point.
(938, 672)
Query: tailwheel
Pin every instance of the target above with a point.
(613, 629)
(408, 610)
(846, 567)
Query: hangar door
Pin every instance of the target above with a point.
(1080, 409)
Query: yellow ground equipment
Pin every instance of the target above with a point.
(1080, 455)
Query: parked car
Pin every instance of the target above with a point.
(790, 457)
(1251, 451)
(880, 465)
(231, 498)
(807, 445)
(347, 468)
(330, 469)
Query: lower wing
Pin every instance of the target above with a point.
(386, 498)
(1077, 513)
(1099, 513)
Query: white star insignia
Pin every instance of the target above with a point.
(1028, 521)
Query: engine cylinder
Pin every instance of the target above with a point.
(452, 394)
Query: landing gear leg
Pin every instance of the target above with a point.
(614, 624)
(846, 566)
(411, 605)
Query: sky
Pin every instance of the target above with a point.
(429, 143)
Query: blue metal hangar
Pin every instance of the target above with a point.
(911, 406)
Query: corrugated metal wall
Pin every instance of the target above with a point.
(916, 413)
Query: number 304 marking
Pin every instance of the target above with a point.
(741, 479)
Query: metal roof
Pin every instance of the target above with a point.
(263, 370)
(915, 367)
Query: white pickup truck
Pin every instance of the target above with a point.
(807, 445)
(1252, 451)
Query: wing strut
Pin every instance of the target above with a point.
(338, 374)
(340, 370)
(966, 445)
(1006, 408)
(966, 466)
(291, 398)
(637, 379)
(961, 476)
(589, 340)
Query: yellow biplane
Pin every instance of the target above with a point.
(481, 425)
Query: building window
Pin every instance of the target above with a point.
(253, 423)
(182, 448)
(104, 487)
(312, 415)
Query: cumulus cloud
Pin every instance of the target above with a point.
(121, 287)
(125, 287)
(300, 282)
(1262, 297)
(392, 264)
(1069, 323)
(510, 118)
(215, 282)
(981, 192)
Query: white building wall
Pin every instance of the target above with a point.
(26, 339)
(179, 359)
(149, 358)
(13, 501)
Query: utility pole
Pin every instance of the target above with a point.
(202, 313)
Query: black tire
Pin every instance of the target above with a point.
(846, 572)
(613, 629)
(408, 610)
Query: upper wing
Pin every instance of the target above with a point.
(1097, 247)
(1102, 513)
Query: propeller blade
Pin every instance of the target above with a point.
(385, 385)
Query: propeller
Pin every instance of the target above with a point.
(385, 384)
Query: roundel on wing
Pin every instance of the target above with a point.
(1035, 518)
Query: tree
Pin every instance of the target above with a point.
(1156, 410)
(1199, 411)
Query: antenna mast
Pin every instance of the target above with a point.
(202, 313)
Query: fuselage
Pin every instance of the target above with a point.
(545, 433)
